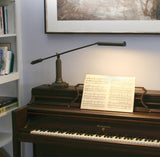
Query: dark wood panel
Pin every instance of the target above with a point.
(44, 150)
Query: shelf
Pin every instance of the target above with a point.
(10, 77)
(6, 2)
(5, 138)
(7, 35)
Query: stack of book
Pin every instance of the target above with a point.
(7, 103)
(3, 20)
(6, 59)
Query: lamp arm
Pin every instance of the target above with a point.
(96, 43)
(58, 54)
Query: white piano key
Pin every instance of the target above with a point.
(94, 137)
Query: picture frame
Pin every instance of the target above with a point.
(54, 25)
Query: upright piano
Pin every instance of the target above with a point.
(57, 127)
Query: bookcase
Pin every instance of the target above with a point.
(11, 84)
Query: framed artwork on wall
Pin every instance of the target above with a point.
(102, 16)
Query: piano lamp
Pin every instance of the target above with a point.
(59, 81)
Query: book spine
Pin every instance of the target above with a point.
(11, 106)
(2, 23)
(8, 107)
(2, 110)
(7, 102)
(5, 18)
(1, 55)
(3, 65)
(11, 62)
(8, 62)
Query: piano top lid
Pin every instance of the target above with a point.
(52, 110)
(48, 91)
(45, 89)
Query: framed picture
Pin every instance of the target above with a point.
(102, 16)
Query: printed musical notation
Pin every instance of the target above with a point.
(108, 93)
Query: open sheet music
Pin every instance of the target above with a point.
(108, 93)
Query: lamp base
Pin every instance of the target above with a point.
(59, 85)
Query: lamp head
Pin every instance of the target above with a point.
(101, 43)
(37, 61)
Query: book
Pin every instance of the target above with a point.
(6, 100)
(108, 93)
(8, 107)
(7, 59)
(2, 21)
(8, 62)
(0, 25)
(4, 56)
(1, 55)
(8, 45)
(11, 62)
(5, 19)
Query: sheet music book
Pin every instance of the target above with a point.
(108, 93)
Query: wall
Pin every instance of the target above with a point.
(141, 57)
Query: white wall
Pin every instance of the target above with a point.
(141, 57)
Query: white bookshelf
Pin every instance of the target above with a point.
(7, 35)
(5, 138)
(11, 84)
(8, 78)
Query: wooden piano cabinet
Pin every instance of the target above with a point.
(43, 150)
(49, 150)
(28, 118)
(50, 113)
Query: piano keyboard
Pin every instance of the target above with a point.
(99, 138)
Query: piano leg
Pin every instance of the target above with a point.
(19, 119)
(16, 148)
